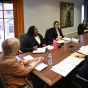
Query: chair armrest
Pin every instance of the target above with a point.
(81, 78)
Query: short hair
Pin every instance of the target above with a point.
(9, 45)
(31, 30)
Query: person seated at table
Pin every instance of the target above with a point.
(14, 71)
(82, 28)
(32, 40)
(81, 70)
(55, 32)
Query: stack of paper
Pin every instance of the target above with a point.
(39, 67)
(66, 66)
(60, 41)
(83, 50)
(40, 50)
(67, 40)
(75, 39)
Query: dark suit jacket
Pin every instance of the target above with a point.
(81, 29)
(29, 41)
(83, 70)
(53, 34)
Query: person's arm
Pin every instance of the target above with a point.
(61, 34)
(30, 60)
(52, 35)
(18, 69)
(80, 55)
(25, 45)
(80, 29)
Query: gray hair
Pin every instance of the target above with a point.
(9, 45)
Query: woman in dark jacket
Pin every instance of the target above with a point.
(55, 32)
(82, 27)
(32, 40)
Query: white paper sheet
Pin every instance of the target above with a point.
(83, 52)
(40, 66)
(40, 50)
(66, 66)
(28, 57)
(49, 47)
(73, 60)
(84, 48)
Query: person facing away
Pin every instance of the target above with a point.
(82, 28)
(14, 71)
(32, 40)
(56, 32)
(81, 70)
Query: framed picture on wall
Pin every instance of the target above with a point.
(66, 14)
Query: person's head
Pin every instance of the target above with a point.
(56, 24)
(84, 22)
(10, 46)
(33, 31)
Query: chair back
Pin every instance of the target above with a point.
(47, 34)
(2, 81)
(21, 36)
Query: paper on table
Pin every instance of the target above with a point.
(66, 66)
(73, 60)
(83, 52)
(63, 68)
(85, 48)
(59, 71)
(60, 41)
(17, 58)
(49, 47)
(28, 57)
(40, 66)
(75, 39)
(40, 50)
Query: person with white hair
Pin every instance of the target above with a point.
(15, 72)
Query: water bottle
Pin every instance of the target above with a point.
(50, 59)
(54, 44)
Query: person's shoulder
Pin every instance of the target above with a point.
(52, 28)
(80, 24)
(8, 60)
(28, 37)
(39, 35)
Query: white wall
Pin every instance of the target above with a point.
(42, 14)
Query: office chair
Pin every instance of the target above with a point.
(2, 82)
(47, 34)
(82, 82)
(21, 36)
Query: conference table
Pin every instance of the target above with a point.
(47, 75)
